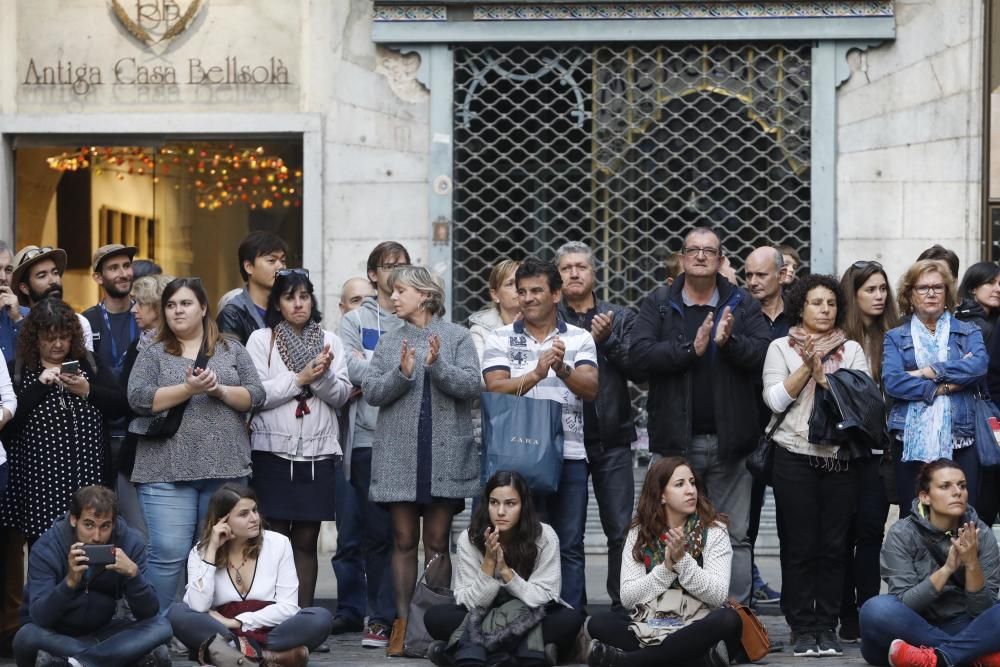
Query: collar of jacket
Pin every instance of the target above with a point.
(243, 300)
(729, 295)
(959, 327)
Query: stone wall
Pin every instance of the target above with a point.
(910, 139)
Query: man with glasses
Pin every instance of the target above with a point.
(261, 255)
(701, 342)
(364, 533)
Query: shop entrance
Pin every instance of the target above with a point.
(185, 203)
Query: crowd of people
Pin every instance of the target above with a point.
(145, 441)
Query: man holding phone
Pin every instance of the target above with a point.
(77, 572)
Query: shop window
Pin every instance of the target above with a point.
(185, 204)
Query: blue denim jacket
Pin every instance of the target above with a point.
(967, 371)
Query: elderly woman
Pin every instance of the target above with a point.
(296, 437)
(815, 487)
(932, 365)
(869, 312)
(146, 294)
(980, 297)
(213, 381)
(57, 438)
(422, 378)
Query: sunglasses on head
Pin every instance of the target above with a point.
(864, 264)
(31, 254)
(284, 273)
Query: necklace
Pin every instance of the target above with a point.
(236, 570)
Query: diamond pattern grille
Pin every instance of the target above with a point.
(623, 148)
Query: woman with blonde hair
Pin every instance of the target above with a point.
(505, 308)
(422, 377)
(932, 366)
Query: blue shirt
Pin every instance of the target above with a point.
(9, 331)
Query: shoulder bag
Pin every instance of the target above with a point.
(755, 641)
(165, 425)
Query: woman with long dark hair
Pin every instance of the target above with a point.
(942, 566)
(177, 473)
(979, 297)
(675, 579)
(242, 584)
(506, 559)
(869, 312)
(295, 437)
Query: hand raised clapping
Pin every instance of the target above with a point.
(407, 359)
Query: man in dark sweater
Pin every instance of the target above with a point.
(701, 342)
(68, 616)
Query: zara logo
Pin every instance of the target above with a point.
(522, 440)
(156, 23)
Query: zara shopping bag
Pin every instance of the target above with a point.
(524, 435)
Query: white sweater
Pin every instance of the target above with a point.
(793, 433)
(709, 583)
(474, 588)
(274, 580)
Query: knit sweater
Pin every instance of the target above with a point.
(475, 588)
(454, 383)
(793, 433)
(212, 441)
(709, 582)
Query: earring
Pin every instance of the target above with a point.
(663, 501)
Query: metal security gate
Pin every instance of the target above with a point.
(624, 147)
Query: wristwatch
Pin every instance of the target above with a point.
(565, 371)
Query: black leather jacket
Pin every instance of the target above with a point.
(240, 318)
(850, 414)
(661, 351)
(614, 404)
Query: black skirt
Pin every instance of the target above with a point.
(294, 490)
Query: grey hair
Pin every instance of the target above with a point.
(575, 248)
(148, 290)
(425, 282)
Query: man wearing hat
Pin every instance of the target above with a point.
(111, 319)
(38, 274)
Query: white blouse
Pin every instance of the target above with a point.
(274, 580)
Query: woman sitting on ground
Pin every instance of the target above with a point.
(243, 589)
(941, 565)
(675, 578)
(508, 562)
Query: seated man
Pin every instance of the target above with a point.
(68, 616)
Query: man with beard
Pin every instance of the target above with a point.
(38, 274)
(11, 311)
(115, 330)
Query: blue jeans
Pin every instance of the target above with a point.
(175, 513)
(614, 488)
(961, 641)
(566, 512)
(729, 485)
(121, 644)
(364, 544)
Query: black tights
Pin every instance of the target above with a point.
(683, 647)
(304, 536)
(406, 536)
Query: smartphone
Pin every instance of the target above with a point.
(70, 367)
(100, 554)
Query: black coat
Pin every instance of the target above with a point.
(614, 403)
(851, 414)
(661, 351)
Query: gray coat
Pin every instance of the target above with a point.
(455, 381)
(907, 566)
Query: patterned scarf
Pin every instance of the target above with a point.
(146, 338)
(298, 350)
(694, 534)
(927, 435)
(823, 344)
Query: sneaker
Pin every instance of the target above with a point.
(436, 653)
(991, 660)
(718, 656)
(765, 595)
(376, 636)
(322, 648)
(902, 654)
(850, 631)
(158, 657)
(600, 654)
(45, 659)
(828, 644)
(805, 645)
(342, 625)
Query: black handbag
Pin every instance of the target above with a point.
(164, 426)
(760, 463)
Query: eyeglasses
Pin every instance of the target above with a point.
(863, 264)
(390, 267)
(924, 290)
(284, 273)
(691, 251)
